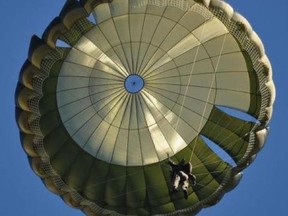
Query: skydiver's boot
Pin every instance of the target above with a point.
(174, 190)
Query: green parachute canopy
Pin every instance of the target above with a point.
(114, 87)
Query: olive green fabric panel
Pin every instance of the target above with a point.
(64, 158)
(49, 122)
(156, 185)
(54, 140)
(209, 168)
(255, 98)
(231, 123)
(49, 86)
(228, 132)
(79, 171)
(136, 187)
(47, 104)
(95, 188)
(115, 194)
(209, 159)
(206, 184)
(233, 144)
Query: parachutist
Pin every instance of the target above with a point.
(181, 174)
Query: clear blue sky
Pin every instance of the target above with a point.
(263, 189)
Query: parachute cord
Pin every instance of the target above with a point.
(208, 96)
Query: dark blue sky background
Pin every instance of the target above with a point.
(263, 189)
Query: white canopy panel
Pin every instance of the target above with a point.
(185, 57)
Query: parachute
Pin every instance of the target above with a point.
(114, 87)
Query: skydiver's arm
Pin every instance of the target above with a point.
(170, 162)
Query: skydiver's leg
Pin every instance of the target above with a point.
(185, 186)
(192, 177)
(176, 182)
(185, 183)
(184, 176)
